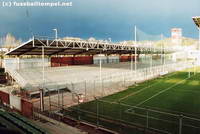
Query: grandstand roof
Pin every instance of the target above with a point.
(197, 21)
(74, 47)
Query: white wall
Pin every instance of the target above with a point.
(15, 102)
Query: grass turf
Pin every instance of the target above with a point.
(175, 93)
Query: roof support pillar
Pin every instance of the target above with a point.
(43, 82)
(18, 62)
(100, 66)
(131, 61)
(33, 41)
(43, 78)
(135, 50)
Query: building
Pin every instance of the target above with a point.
(176, 36)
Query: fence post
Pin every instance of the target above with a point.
(180, 124)
(94, 89)
(146, 70)
(62, 99)
(85, 88)
(49, 101)
(147, 123)
(120, 117)
(188, 73)
(58, 97)
(78, 108)
(72, 92)
(97, 112)
(101, 88)
(123, 80)
(33, 111)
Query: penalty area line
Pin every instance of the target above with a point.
(149, 86)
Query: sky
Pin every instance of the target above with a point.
(101, 19)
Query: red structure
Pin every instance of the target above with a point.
(67, 61)
(61, 61)
(26, 108)
(127, 58)
(83, 60)
(4, 97)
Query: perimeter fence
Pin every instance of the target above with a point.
(127, 119)
(64, 95)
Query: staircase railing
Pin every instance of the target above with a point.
(17, 77)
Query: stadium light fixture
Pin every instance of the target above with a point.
(109, 39)
(56, 36)
(56, 33)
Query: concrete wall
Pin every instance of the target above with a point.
(19, 104)
(15, 102)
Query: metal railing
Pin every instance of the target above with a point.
(124, 118)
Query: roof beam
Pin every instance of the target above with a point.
(81, 52)
(60, 51)
(80, 47)
(30, 49)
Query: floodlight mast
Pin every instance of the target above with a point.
(135, 48)
(110, 40)
(56, 36)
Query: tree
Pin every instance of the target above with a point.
(9, 41)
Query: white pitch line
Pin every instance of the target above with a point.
(173, 112)
(140, 90)
(161, 92)
(134, 93)
(188, 91)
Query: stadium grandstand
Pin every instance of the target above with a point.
(91, 51)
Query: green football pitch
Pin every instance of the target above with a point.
(168, 104)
